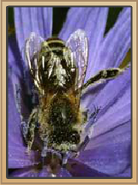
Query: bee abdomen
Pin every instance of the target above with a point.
(65, 135)
(61, 113)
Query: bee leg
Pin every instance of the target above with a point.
(103, 75)
(65, 158)
(34, 96)
(95, 113)
(24, 130)
(44, 150)
(31, 128)
(30, 88)
(18, 99)
(83, 144)
(84, 115)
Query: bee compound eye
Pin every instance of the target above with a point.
(75, 137)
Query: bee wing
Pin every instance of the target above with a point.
(78, 44)
(32, 48)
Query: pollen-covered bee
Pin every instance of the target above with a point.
(58, 71)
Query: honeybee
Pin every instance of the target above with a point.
(58, 71)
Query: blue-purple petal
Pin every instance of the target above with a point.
(16, 149)
(116, 115)
(26, 172)
(14, 133)
(79, 169)
(63, 173)
(106, 94)
(18, 158)
(115, 45)
(15, 61)
(110, 152)
(126, 173)
(32, 19)
(93, 22)
(74, 21)
(43, 173)
(102, 94)
(114, 102)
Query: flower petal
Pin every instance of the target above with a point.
(126, 173)
(16, 149)
(26, 172)
(14, 58)
(79, 169)
(118, 114)
(44, 173)
(115, 104)
(91, 93)
(17, 157)
(101, 95)
(110, 152)
(74, 21)
(61, 173)
(34, 172)
(93, 22)
(32, 19)
(120, 133)
(64, 173)
(115, 45)
(14, 133)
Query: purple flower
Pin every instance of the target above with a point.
(108, 153)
